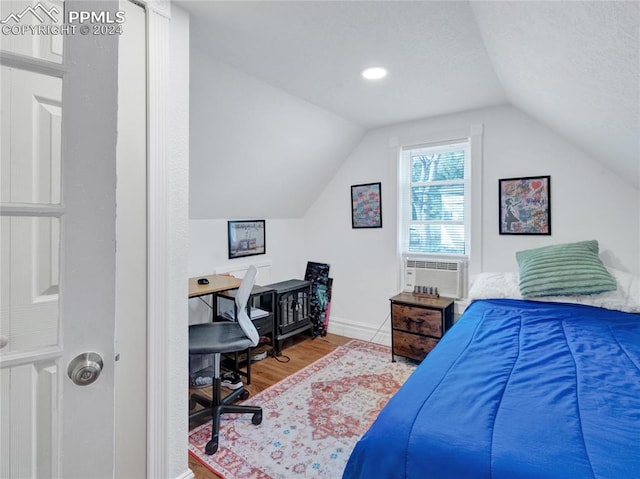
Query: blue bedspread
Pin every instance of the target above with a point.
(516, 389)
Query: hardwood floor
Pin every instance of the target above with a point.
(297, 353)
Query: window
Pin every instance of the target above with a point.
(434, 199)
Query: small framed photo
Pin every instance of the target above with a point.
(525, 205)
(366, 206)
(246, 238)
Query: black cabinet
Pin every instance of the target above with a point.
(291, 310)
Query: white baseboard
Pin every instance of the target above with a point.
(460, 306)
(380, 334)
(188, 474)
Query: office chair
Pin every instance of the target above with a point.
(222, 337)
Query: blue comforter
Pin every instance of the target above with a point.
(516, 389)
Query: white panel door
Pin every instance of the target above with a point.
(33, 14)
(57, 247)
(30, 246)
(31, 243)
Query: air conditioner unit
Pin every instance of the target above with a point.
(446, 276)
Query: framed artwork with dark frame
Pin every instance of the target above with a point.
(525, 205)
(246, 238)
(366, 205)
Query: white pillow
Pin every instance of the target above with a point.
(625, 298)
(505, 286)
(495, 286)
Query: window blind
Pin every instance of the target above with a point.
(434, 199)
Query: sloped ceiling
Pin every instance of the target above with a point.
(316, 50)
(255, 150)
(573, 65)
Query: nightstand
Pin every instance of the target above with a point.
(417, 324)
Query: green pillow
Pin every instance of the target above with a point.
(564, 269)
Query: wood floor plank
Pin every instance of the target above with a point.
(298, 352)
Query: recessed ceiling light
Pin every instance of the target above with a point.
(375, 73)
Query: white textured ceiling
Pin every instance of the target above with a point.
(572, 65)
(316, 51)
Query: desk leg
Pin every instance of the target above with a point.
(249, 366)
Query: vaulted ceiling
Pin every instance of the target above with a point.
(572, 65)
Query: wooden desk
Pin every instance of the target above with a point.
(217, 283)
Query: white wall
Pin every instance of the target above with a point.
(208, 253)
(257, 151)
(587, 202)
(208, 249)
(177, 223)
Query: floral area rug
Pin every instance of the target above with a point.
(311, 420)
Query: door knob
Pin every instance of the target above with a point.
(85, 368)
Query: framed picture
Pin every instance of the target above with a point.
(525, 205)
(246, 238)
(366, 206)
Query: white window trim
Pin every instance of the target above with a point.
(404, 192)
(474, 135)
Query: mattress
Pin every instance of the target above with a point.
(516, 389)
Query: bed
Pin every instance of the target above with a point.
(518, 388)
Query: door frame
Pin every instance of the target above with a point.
(167, 255)
(131, 251)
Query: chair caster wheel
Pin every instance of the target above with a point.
(244, 395)
(256, 418)
(211, 447)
